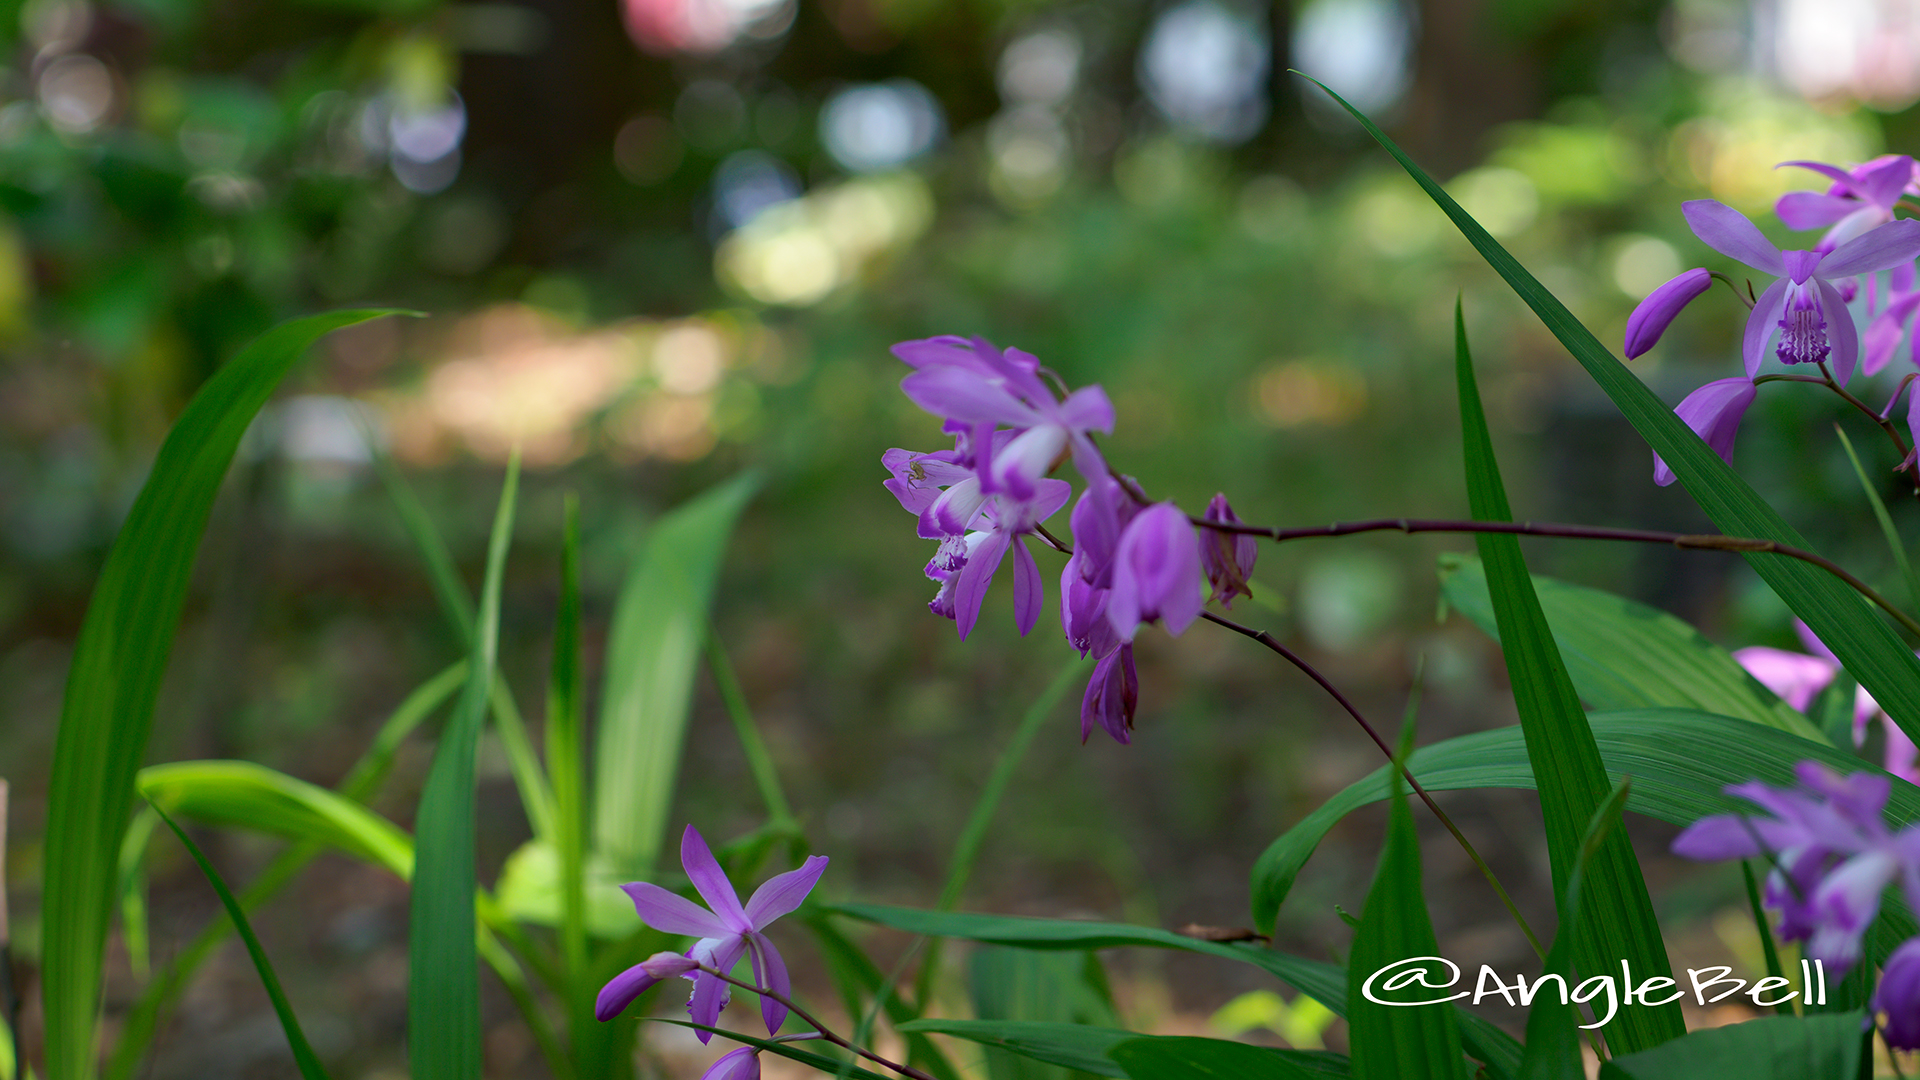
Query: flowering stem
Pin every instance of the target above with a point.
(1885, 424)
(1691, 541)
(1745, 298)
(1294, 658)
(818, 1027)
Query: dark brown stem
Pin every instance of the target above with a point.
(1052, 540)
(903, 1070)
(1885, 424)
(1746, 299)
(1689, 541)
(1294, 658)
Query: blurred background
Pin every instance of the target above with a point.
(660, 241)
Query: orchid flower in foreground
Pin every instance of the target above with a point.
(1714, 413)
(725, 932)
(1805, 305)
(1799, 677)
(1834, 855)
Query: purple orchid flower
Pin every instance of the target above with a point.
(1156, 573)
(1805, 304)
(1887, 329)
(1835, 855)
(741, 1064)
(1714, 413)
(1799, 677)
(1007, 519)
(1861, 198)
(1897, 997)
(724, 932)
(1111, 697)
(636, 980)
(1227, 557)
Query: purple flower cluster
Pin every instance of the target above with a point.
(1132, 562)
(1833, 857)
(1807, 304)
(1800, 677)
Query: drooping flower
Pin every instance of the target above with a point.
(1652, 316)
(1834, 854)
(1714, 413)
(1804, 306)
(1156, 573)
(1897, 997)
(741, 1064)
(1007, 520)
(1860, 199)
(1227, 557)
(724, 932)
(1112, 694)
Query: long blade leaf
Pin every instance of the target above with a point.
(303, 1055)
(443, 974)
(1619, 924)
(1865, 645)
(115, 677)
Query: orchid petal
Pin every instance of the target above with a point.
(770, 973)
(1812, 210)
(965, 394)
(1841, 177)
(711, 881)
(1883, 248)
(1088, 409)
(1882, 180)
(1761, 324)
(620, 992)
(1028, 594)
(741, 1064)
(781, 893)
(710, 993)
(972, 589)
(1713, 412)
(1722, 836)
(1796, 677)
(1728, 232)
(673, 914)
(933, 351)
(1841, 331)
(954, 512)
(1885, 331)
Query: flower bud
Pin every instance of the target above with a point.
(1156, 573)
(1652, 317)
(1227, 557)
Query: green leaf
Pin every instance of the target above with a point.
(1863, 643)
(1020, 984)
(659, 622)
(240, 794)
(1625, 655)
(1887, 531)
(858, 978)
(789, 1050)
(1572, 781)
(443, 974)
(1089, 1049)
(303, 1055)
(530, 891)
(1770, 1048)
(1189, 1057)
(1390, 1041)
(1553, 1039)
(1323, 982)
(115, 675)
(1679, 760)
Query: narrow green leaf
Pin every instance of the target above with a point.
(766, 777)
(1189, 1057)
(455, 604)
(659, 622)
(1572, 781)
(1087, 1049)
(1770, 1048)
(791, 1051)
(240, 794)
(1891, 534)
(1764, 931)
(566, 722)
(1391, 1041)
(1021, 984)
(303, 1055)
(859, 979)
(1553, 1040)
(443, 978)
(1864, 644)
(1626, 655)
(1326, 983)
(115, 675)
(142, 1021)
(1681, 762)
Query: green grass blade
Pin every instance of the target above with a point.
(1626, 655)
(303, 1056)
(659, 623)
(240, 794)
(966, 851)
(455, 604)
(1770, 1048)
(1089, 1049)
(766, 777)
(565, 725)
(1885, 519)
(1572, 780)
(857, 977)
(1389, 1042)
(1553, 1037)
(1191, 1057)
(1864, 644)
(115, 676)
(443, 980)
(141, 1022)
